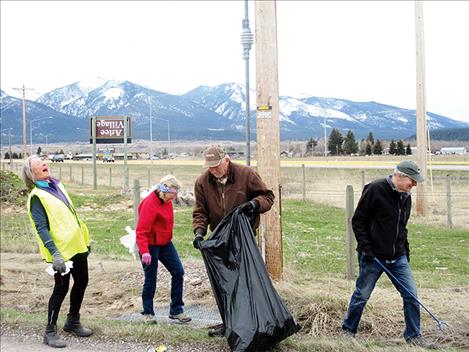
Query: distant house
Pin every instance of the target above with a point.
(453, 150)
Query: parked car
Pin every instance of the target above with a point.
(58, 158)
(108, 159)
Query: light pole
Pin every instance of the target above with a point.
(247, 39)
(9, 145)
(325, 137)
(151, 134)
(31, 132)
(169, 136)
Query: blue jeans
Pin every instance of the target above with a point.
(169, 257)
(367, 278)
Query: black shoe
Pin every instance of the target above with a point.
(217, 330)
(72, 324)
(52, 339)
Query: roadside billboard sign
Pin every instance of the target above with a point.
(110, 129)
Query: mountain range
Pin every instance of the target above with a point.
(216, 112)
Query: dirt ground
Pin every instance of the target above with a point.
(115, 287)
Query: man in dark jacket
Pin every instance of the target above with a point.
(379, 224)
(220, 189)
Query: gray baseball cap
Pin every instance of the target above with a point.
(411, 169)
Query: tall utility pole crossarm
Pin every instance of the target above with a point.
(421, 112)
(268, 129)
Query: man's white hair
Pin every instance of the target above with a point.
(399, 173)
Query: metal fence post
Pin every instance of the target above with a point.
(349, 237)
(448, 201)
(82, 175)
(136, 200)
(71, 174)
(60, 172)
(363, 178)
(110, 177)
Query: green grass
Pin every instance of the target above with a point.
(313, 237)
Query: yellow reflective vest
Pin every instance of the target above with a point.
(68, 232)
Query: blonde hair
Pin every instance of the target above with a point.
(169, 181)
(27, 173)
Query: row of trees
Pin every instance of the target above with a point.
(340, 145)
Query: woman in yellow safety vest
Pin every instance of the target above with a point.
(62, 237)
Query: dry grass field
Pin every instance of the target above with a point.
(325, 180)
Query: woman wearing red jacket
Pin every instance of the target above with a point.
(154, 234)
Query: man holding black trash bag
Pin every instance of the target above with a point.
(379, 224)
(221, 188)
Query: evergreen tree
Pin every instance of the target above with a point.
(15, 156)
(335, 142)
(350, 145)
(408, 150)
(310, 145)
(7, 155)
(370, 138)
(400, 148)
(378, 148)
(368, 149)
(392, 147)
(61, 151)
(39, 150)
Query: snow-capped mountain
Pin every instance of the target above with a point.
(302, 118)
(44, 121)
(211, 112)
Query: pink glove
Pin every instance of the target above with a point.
(146, 258)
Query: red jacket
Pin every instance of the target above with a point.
(155, 223)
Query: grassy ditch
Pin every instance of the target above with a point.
(314, 269)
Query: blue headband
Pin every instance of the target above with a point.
(165, 189)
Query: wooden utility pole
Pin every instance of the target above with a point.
(268, 129)
(421, 113)
(24, 124)
(25, 150)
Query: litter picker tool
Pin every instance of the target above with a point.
(439, 323)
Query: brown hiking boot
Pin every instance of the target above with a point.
(181, 318)
(216, 330)
(52, 339)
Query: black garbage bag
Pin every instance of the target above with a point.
(254, 315)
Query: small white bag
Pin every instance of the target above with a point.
(129, 241)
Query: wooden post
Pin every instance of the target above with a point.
(448, 201)
(136, 200)
(82, 175)
(268, 129)
(110, 176)
(60, 172)
(303, 181)
(93, 135)
(421, 204)
(71, 175)
(349, 236)
(363, 178)
(149, 178)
